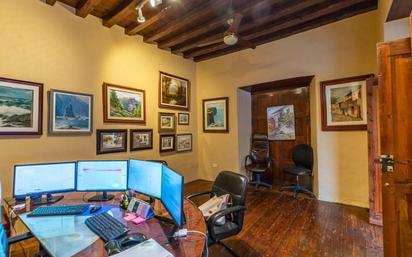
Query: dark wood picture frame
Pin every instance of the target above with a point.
(39, 118)
(99, 147)
(142, 131)
(106, 110)
(323, 86)
(52, 109)
(183, 114)
(171, 106)
(177, 142)
(204, 116)
(161, 143)
(167, 130)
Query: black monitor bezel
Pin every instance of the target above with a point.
(128, 177)
(102, 190)
(45, 192)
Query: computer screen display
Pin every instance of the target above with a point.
(145, 177)
(44, 178)
(172, 194)
(102, 175)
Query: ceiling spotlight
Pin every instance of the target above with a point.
(140, 18)
(155, 3)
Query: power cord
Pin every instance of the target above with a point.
(184, 232)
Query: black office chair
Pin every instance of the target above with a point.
(302, 156)
(259, 160)
(236, 185)
(159, 161)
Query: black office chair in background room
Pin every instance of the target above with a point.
(235, 184)
(159, 161)
(302, 156)
(259, 160)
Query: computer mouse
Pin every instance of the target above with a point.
(132, 240)
(94, 208)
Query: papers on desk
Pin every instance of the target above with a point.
(145, 249)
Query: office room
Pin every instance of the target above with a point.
(193, 128)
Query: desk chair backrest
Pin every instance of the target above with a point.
(303, 156)
(3, 236)
(235, 184)
(260, 148)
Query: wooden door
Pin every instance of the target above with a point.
(395, 130)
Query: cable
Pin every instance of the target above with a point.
(10, 216)
(203, 234)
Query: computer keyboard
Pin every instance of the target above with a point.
(58, 210)
(106, 227)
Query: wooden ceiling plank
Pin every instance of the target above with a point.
(136, 27)
(51, 2)
(280, 14)
(270, 28)
(192, 17)
(340, 15)
(119, 12)
(204, 28)
(85, 7)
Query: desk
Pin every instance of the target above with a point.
(192, 246)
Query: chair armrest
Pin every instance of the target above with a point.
(212, 220)
(198, 194)
(19, 238)
(247, 158)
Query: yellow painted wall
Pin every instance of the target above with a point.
(342, 49)
(53, 46)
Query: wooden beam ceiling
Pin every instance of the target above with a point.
(184, 26)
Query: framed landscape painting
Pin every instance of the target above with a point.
(183, 118)
(344, 104)
(174, 92)
(123, 104)
(167, 143)
(281, 122)
(21, 106)
(167, 122)
(216, 115)
(141, 139)
(183, 142)
(111, 141)
(70, 113)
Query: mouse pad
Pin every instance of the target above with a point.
(103, 209)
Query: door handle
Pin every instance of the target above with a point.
(388, 162)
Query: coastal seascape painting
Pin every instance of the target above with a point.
(216, 115)
(174, 92)
(123, 104)
(70, 113)
(281, 122)
(20, 107)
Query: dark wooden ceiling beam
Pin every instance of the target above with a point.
(204, 28)
(51, 2)
(85, 7)
(119, 12)
(286, 10)
(323, 9)
(328, 19)
(136, 27)
(194, 16)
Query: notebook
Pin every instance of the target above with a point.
(144, 249)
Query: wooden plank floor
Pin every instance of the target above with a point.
(278, 226)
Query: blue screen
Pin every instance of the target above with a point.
(44, 178)
(145, 177)
(172, 194)
(102, 175)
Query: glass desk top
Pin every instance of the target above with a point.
(62, 236)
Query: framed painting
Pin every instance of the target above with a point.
(70, 113)
(183, 142)
(167, 143)
(111, 141)
(174, 92)
(21, 107)
(183, 118)
(123, 104)
(281, 122)
(167, 122)
(216, 115)
(141, 139)
(344, 104)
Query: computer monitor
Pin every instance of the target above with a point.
(172, 194)
(34, 180)
(145, 177)
(102, 176)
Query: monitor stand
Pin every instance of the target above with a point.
(104, 197)
(39, 200)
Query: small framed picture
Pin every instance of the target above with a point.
(111, 141)
(141, 139)
(183, 118)
(216, 115)
(167, 143)
(183, 142)
(70, 113)
(167, 122)
(123, 104)
(174, 92)
(21, 107)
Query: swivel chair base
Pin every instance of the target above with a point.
(258, 181)
(297, 189)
